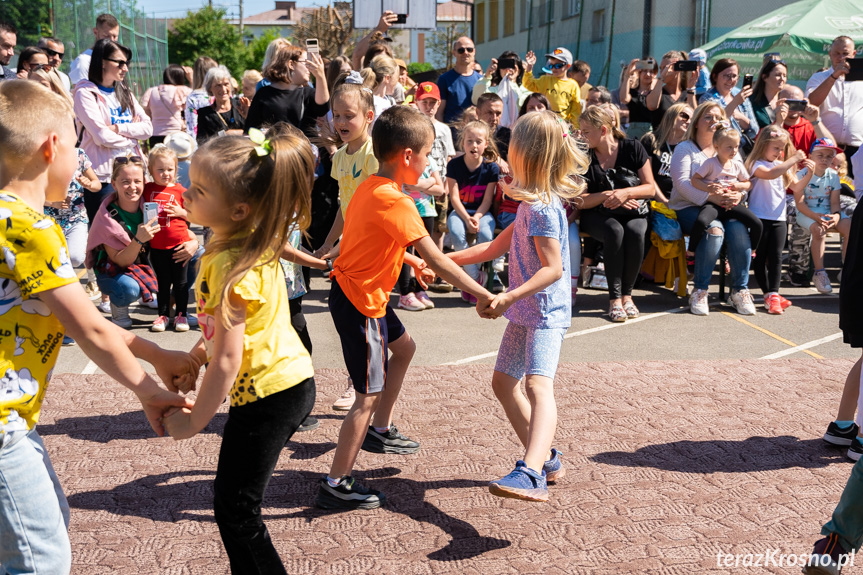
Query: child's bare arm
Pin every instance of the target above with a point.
(299, 257)
(335, 232)
(486, 251)
(455, 200)
(698, 183)
(551, 271)
(487, 198)
(447, 269)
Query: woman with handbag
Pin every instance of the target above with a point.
(164, 103)
(614, 208)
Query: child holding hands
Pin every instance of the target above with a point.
(543, 157)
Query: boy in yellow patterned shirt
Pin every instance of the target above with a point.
(40, 296)
(564, 94)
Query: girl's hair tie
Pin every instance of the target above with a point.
(722, 124)
(263, 146)
(354, 77)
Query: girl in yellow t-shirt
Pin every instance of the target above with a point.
(251, 196)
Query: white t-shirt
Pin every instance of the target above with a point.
(767, 198)
(842, 109)
(81, 67)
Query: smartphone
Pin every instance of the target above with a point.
(747, 80)
(312, 46)
(151, 210)
(685, 66)
(797, 105)
(401, 18)
(645, 64)
(855, 74)
(506, 64)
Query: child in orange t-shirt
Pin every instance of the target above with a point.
(380, 223)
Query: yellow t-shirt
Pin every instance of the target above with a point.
(274, 358)
(351, 170)
(563, 94)
(34, 260)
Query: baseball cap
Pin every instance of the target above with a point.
(427, 90)
(825, 143)
(699, 55)
(561, 54)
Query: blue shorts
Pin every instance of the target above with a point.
(805, 221)
(364, 340)
(529, 351)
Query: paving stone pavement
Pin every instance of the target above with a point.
(669, 464)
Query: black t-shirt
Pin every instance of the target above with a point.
(850, 303)
(472, 185)
(501, 140)
(660, 162)
(210, 122)
(637, 107)
(297, 107)
(664, 104)
(630, 155)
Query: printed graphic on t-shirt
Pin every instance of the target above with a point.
(471, 194)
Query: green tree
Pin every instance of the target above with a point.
(30, 18)
(257, 48)
(440, 42)
(207, 33)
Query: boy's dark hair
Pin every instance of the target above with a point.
(487, 98)
(399, 128)
(580, 66)
(107, 21)
(8, 28)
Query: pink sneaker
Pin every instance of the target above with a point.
(409, 302)
(468, 298)
(160, 324)
(424, 299)
(346, 401)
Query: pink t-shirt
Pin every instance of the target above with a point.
(165, 105)
(713, 171)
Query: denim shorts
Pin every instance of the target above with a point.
(529, 351)
(805, 221)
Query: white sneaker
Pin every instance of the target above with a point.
(152, 304)
(409, 302)
(822, 282)
(698, 302)
(346, 401)
(104, 306)
(120, 316)
(92, 291)
(742, 302)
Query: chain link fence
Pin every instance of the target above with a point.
(146, 37)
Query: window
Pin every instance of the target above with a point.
(493, 19)
(508, 17)
(480, 22)
(573, 7)
(540, 17)
(598, 32)
(526, 22)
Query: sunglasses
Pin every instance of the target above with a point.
(53, 53)
(684, 115)
(120, 63)
(34, 67)
(557, 66)
(462, 50)
(123, 160)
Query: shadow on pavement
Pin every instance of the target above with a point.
(720, 456)
(131, 425)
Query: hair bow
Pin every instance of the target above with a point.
(354, 77)
(263, 147)
(724, 124)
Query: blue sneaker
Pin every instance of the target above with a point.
(522, 483)
(68, 340)
(553, 468)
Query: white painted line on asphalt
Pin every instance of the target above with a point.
(89, 369)
(803, 346)
(578, 333)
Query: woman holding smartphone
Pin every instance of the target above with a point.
(635, 98)
(675, 85)
(738, 108)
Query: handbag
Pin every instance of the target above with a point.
(620, 178)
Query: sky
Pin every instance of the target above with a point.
(178, 8)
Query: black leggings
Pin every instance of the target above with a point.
(710, 212)
(768, 259)
(170, 274)
(252, 441)
(407, 284)
(298, 322)
(92, 201)
(622, 240)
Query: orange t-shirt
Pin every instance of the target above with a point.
(380, 223)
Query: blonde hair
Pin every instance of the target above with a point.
(601, 116)
(276, 187)
(490, 154)
(161, 151)
(53, 80)
(546, 160)
(723, 133)
(657, 138)
(696, 117)
(28, 113)
(252, 76)
(767, 136)
(382, 65)
(842, 168)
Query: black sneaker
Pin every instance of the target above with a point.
(497, 286)
(390, 442)
(309, 424)
(855, 450)
(797, 279)
(828, 557)
(348, 494)
(841, 436)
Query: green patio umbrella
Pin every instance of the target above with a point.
(801, 32)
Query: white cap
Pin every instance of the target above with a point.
(182, 144)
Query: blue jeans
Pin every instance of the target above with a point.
(739, 250)
(122, 288)
(34, 514)
(458, 232)
(574, 250)
(505, 219)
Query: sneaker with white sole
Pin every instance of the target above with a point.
(347, 495)
(742, 302)
(390, 441)
(827, 558)
(346, 401)
(841, 435)
(160, 325)
(822, 282)
(92, 291)
(522, 483)
(181, 323)
(424, 299)
(104, 306)
(698, 302)
(855, 450)
(409, 302)
(152, 304)
(553, 468)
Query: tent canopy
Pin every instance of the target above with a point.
(801, 32)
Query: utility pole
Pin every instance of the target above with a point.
(646, 28)
(241, 21)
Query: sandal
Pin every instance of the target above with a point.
(630, 309)
(617, 314)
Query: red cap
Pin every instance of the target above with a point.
(427, 90)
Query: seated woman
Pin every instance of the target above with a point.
(661, 143)
(614, 209)
(117, 247)
(687, 201)
(225, 116)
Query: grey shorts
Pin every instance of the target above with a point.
(529, 351)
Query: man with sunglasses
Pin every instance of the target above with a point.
(564, 94)
(8, 39)
(456, 85)
(55, 50)
(107, 28)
